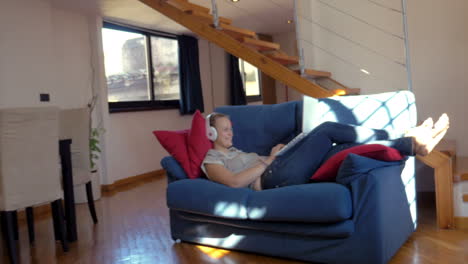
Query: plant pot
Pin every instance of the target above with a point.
(80, 190)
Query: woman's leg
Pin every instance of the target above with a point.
(343, 133)
(296, 165)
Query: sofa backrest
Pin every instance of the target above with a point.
(257, 128)
(392, 110)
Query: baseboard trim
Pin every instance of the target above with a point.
(132, 180)
(461, 223)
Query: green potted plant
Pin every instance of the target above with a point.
(94, 149)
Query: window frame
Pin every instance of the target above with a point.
(251, 98)
(152, 103)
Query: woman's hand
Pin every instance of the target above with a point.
(274, 150)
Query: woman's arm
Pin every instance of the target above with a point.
(220, 174)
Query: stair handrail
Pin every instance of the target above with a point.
(214, 11)
(298, 42)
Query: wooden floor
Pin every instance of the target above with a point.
(134, 228)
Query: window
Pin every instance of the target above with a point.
(251, 78)
(142, 69)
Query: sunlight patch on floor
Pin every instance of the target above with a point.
(214, 253)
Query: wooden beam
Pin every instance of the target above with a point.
(181, 5)
(443, 177)
(265, 64)
(260, 45)
(199, 8)
(465, 198)
(207, 18)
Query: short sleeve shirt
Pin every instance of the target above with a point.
(235, 160)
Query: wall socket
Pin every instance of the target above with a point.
(44, 97)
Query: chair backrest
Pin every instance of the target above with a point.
(75, 125)
(257, 128)
(29, 157)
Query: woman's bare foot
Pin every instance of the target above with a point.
(428, 123)
(425, 138)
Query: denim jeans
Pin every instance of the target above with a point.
(298, 164)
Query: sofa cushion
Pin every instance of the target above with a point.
(312, 203)
(328, 170)
(354, 166)
(188, 147)
(257, 128)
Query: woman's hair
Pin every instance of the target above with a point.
(215, 116)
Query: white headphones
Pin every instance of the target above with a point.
(211, 132)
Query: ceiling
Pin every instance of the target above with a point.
(261, 16)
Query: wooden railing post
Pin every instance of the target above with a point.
(443, 178)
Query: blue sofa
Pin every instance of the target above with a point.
(364, 217)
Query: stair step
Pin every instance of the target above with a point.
(237, 33)
(207, 18)
(315, 73)
(347, 91)
(260, 45)
(284, 59)
(447, 146)
(331, 84)
(186, 6)
(337, 87)
(460, 171)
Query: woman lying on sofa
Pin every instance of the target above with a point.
(229, 166)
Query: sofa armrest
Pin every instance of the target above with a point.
(173, 169)
(380, 204)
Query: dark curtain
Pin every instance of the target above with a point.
(191, 95)
(236, 85)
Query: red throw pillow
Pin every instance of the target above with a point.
(175, 142)
(188, 147)
(198, 144)
(328, 170)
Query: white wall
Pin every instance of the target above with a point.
(43, 50)
(346, 36)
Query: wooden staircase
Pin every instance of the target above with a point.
(244, 43)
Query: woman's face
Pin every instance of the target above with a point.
(224, 129)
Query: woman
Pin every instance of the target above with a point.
(227, 165)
